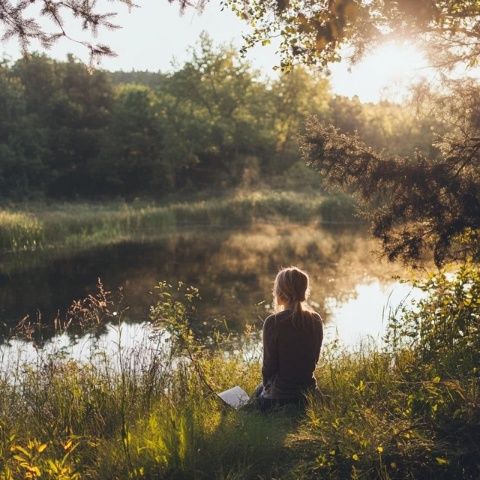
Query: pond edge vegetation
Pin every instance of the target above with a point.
(411, 410)
(37, 227)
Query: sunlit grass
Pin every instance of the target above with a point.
(20, 231)
(157, 423)
(87, 224)
(149, 412)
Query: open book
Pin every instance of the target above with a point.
(236, 397)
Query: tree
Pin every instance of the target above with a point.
(16, 21)
(22, 170)
(132, 160)
(296, 96)
(220, 114)
(70, 106)
(417, 203)
(316, 32)
(398, 129)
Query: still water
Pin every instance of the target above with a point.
(352, 288)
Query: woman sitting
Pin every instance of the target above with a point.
(292, 338)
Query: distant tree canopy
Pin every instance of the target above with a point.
(66, 131)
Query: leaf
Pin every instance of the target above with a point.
(20, 459)
(41, 447)
(33, 470)
(21, 449)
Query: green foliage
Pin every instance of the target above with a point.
(65, 112)
(319, 33)
(221, 113)
(149, 412)
(21, 142)
(133, 157)
(418, 200)
(443, 325)
(82, 226)
(69, 131)
(420, 205)
(338, 209)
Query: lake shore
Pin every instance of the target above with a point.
(147, 414)
(30, 230)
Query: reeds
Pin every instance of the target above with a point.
(148, 411)
(86, 225)
(20, 231)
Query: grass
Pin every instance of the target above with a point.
(149, 411)
(85, 225)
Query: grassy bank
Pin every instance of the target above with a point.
(150, 412)
(85, 225)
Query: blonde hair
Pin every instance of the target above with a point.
(291, 289)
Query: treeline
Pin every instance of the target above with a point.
(66, 131)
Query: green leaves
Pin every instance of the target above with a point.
(443, 326)
(313, 33)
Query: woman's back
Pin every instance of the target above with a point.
(292, 345)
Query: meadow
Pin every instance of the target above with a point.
(33, 227)
(410, 410)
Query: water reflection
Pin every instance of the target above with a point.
(360, 318)
(233, 270)
(120, 343)
(365, 316)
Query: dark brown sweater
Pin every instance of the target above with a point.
(290, 354)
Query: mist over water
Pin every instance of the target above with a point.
(352, 288)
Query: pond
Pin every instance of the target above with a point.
(352, 288)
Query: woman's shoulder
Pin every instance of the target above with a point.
(318, 319)
(286, 315)
(316, 316)
(275, 317)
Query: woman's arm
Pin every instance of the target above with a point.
(270, 350)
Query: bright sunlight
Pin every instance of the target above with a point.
(384, 73)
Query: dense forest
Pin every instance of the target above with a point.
(67, 131)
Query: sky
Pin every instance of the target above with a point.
(155, 33)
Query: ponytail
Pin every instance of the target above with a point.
(297, 314)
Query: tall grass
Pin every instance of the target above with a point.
(20, 231)
(81, 225)
(150, 411)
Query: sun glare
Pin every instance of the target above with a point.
(385, 73)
